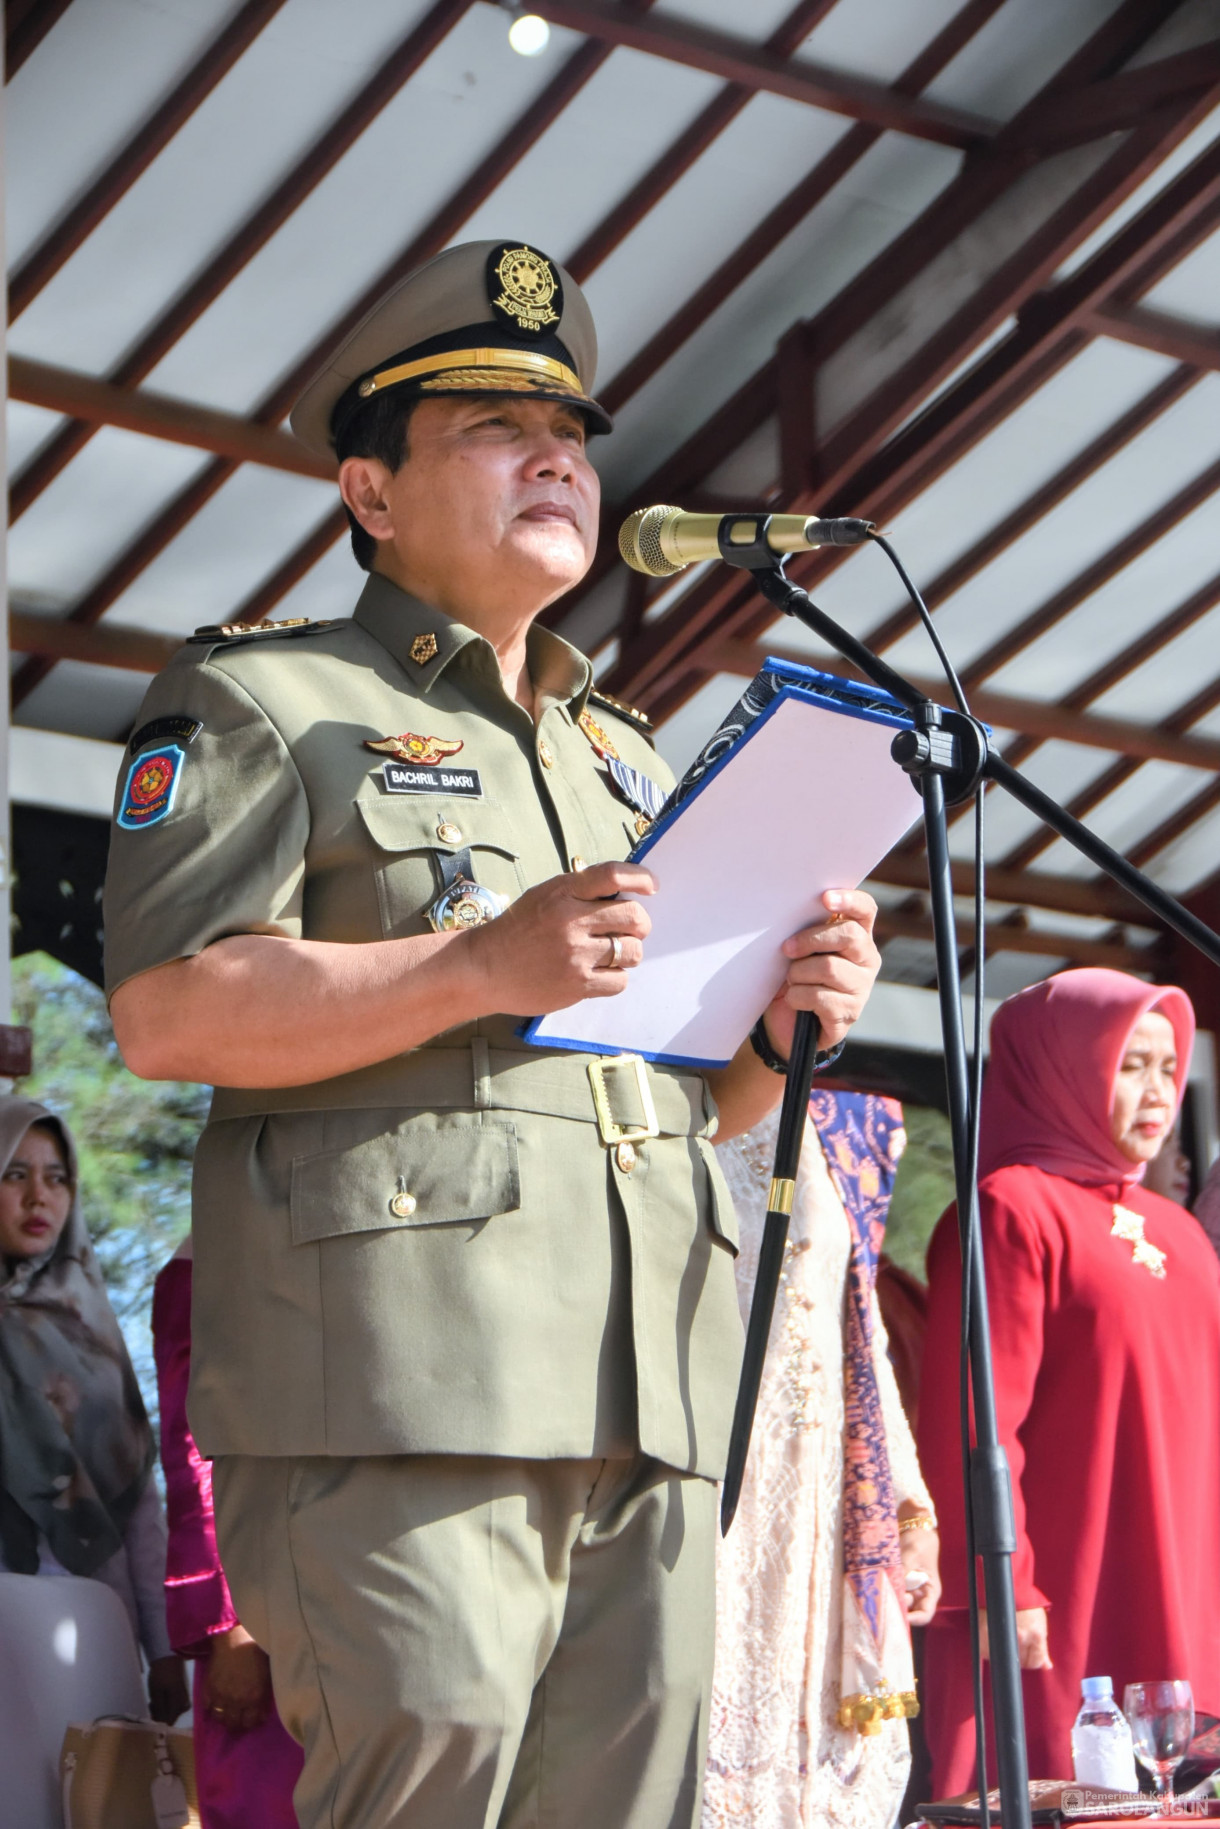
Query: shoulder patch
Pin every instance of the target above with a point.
(152, 782)
(230, 633)
(160, 730)
(629, 712)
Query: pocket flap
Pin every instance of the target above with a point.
(402, 822)
(427, 1172)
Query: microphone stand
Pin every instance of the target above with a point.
(948, 756)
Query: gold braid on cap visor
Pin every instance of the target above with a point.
(530, 368)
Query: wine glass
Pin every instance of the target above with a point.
(1161, 1717)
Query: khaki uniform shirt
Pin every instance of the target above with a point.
(542, 1297)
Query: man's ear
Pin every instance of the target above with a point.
(362, 484)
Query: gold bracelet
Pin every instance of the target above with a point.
(922, 1521)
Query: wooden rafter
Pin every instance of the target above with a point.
(1077, 470)
(1119, 102)
(436, 234)
(182, 422)
(1160, 331)
(1077, 590)
(1119, 667)
(1003, 937)
(57, 247)
(690, 145)
(1045, 338)
(26, 24)
(789, 212)
(246, 242)
(1036, 717)
(738, 60)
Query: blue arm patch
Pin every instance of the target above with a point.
(152, 782)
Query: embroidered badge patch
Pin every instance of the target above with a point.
(523, 288)
(152, 782)
(410, 748)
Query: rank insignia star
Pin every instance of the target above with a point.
(423, 649)
(410, 748)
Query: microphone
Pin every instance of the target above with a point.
(661, 540)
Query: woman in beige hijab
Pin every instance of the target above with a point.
(76, 1448)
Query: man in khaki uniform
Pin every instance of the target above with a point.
(465, 1329)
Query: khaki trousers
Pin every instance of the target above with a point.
(461, 1642)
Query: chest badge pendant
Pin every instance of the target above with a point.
(462, 903)
(1130, 1227)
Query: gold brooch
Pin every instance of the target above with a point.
(596, 735)
(1129, 1226)
(424, 751)
(423, 649)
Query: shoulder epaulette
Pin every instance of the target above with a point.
(629, 712)
(233, 632)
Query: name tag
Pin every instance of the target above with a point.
(406, 778)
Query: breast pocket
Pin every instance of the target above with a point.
(429, 1171)
(410, 834)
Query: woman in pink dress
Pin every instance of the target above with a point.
(246, 1763)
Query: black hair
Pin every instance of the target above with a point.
(377, 429)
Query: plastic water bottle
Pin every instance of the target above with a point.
(1102, 1754)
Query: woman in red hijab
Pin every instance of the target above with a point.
(1105, 1328)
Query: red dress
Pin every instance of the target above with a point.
(1108, 1400)
(245, 1780)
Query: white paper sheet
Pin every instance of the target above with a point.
(808, 800)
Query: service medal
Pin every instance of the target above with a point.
(463, 904)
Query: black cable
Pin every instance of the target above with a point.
(955, 685)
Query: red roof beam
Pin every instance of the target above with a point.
(753, 66)
(57, 247)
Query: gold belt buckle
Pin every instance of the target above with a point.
(610, 1132)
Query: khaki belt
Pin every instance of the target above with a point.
(627, 1097)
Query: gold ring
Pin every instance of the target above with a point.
(616, 952)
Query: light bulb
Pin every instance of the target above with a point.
(529, 35)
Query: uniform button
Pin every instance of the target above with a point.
(578, 862)
(544, 754)
(625, 1156)
(449, 835)
(402, 1204)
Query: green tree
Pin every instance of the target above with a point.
(135, 1140)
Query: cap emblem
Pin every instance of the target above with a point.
(523, 288)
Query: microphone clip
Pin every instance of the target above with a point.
(743, 539)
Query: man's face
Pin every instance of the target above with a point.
(497, 504)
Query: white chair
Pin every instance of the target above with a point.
(66, 1654)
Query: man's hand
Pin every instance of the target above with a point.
(1033, 1647)
(237, 1681)
(832, 968)
(553, 946)
(167, 1692)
